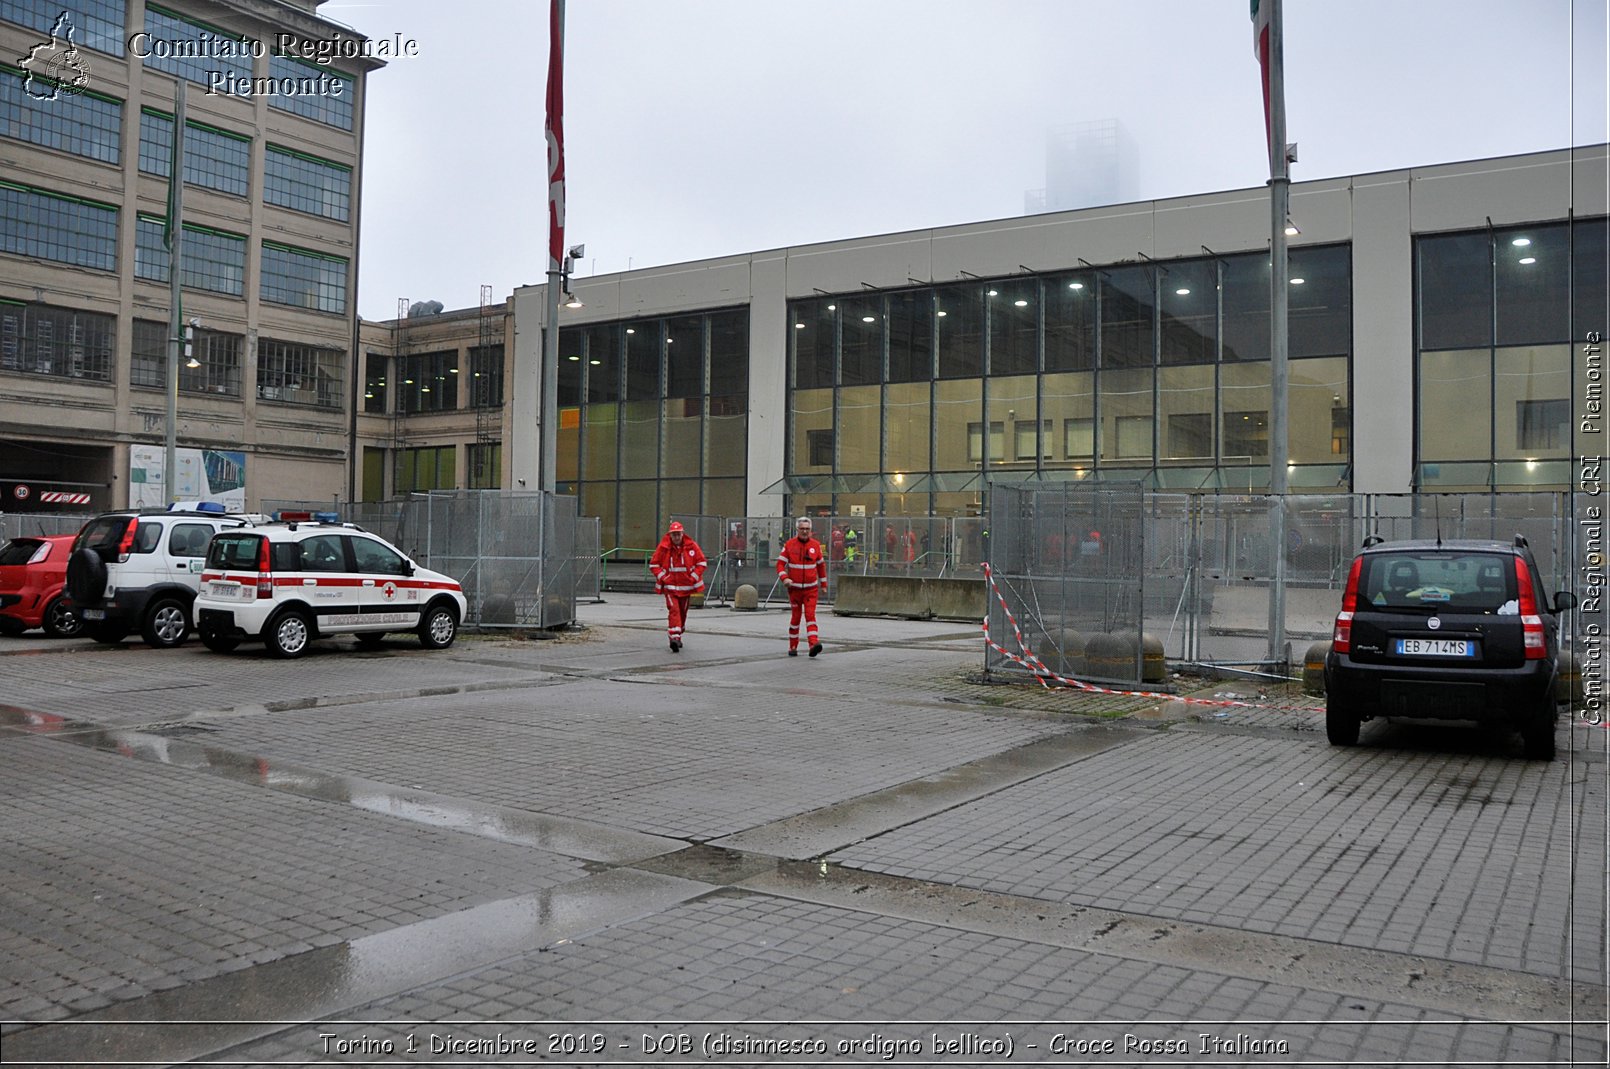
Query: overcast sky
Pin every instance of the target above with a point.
(698, 128)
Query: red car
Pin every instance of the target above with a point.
(32, 574)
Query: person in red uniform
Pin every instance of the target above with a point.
(802, 567)
(678, 565)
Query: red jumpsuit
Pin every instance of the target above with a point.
(803, 569)
(678, 574)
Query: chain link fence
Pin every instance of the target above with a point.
(41, 524)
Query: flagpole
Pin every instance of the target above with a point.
(175, 235)
(1279, 337)
(556, 245)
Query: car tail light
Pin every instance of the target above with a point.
(40, 554)
(1341, 639)
(1531, 622)
(126, 545)
(265, 577)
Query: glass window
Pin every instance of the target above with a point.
(1079, 438)
(214, 260)
(812, 421)
(684, 357)
(1070, 322)
(372, 557)
(1244, 412)
(1318, 421)
(813, 328)
(1454, 284)
(1319, 302)
(1245, 294)
(1185, 397)
(40, 339)
(1531, 407)
(1126, 317)
(80, 122)
(302, 278)
(601, 441)
(859, 426)
(322, 94)
(1532, 285)
(861, 341)
(374, 384)
(1032, 439)
(429, 382)
(683, 423)
(911, 336)
(218, 355)
(486, 378)
(1455, 393)
(643, 360)
(307, 183)
(820, 445)
(225, 55)
(1543, 426)
(1133, 435)
(603, 363)
(486, 465)
(958, 403)
(729, 358)
(975, 441)
(1188, 312)
(1246, 435)
(959, 327)
(1590, 278)
(1014, 327)
(299, 374)
(323, 553)
(51, 226)
(1126, 400)
(97, 24)
(908, 422)
(428, 468)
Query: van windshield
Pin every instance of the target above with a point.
(1451, 581)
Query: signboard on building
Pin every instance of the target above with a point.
(200, 475)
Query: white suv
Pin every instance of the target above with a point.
(291, 581)
(138, 570)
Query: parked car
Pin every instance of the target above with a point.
(287, 583)
(139, 570)
(1446, 630)
(33, 575)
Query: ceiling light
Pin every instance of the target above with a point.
(832, 308)
(869, 319)
(1521, 242)
(573, 360)
(994, 293)
(424, 389)
(368, 395)
(1298, 281)
(1528, 259)
(408, 382)
(452, 371)
(799, 326)
(1183, 291)
(942, 313)
(595, 363)
(1076, 285)
(1021, 304)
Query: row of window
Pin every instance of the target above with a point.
(423, 468)
(71, 343)
(90, 125)
(430, 382)
(49, 226)
(225, 57)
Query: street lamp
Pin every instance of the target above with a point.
(575, 253)
(190, 344)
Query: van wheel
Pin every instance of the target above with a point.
(1537, 732)
(1341, 723)
(288, 634)
(61, 619)
(166, 622)
(438, 628)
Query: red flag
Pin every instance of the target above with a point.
(556, 134)
(1260, 48)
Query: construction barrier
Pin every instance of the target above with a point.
(911, 597)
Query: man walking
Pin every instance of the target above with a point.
(802, 567)
(678, 565)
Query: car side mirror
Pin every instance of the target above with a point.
(1563, 600)
(408, 567)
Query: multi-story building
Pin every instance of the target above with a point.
(272, 166)
(1446, 330)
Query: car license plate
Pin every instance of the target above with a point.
(1436, 647)
(93, 614)
(223, 590)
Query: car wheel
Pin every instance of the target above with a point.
(107, 634)
(219, 643)
(1341, 724)
(370, 640)
(439, 627)
(288, 634)
(166, 622)
(61, 619)
(1537, 732)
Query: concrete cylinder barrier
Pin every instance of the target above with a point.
(746, 598)
(1314, 669)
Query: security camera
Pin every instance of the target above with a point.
(578, 251)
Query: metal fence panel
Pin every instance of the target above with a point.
(41, 524)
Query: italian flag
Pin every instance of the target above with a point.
(1261, 10)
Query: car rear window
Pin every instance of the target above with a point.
(1450, 581)
(19, 550)
(104, 532)
(229, 550)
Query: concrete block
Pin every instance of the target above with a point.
(746, 598)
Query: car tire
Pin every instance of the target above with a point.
(61, 620)
(167, 621)
(219, 643)
(370, 640)
(438, 627)
(86, 576)
(1341, 723)
(107, 634)
(288, 634)
(1537, 732)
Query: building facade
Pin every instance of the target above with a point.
(272, 169)
(1441, 337)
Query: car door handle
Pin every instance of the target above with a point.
(310, 582)
(368, 582)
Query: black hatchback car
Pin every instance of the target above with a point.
(1446, 630)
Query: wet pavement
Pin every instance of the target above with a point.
(587, 849)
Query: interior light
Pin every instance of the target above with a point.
(368, 395)
(424, 389)
(1521, 242)
(1528, 259)
(1183, 291)
(595, 363)
(452, 371)
(1021, 304)
(869, 319)
(408, 382)
(832, 308)
(1076, 285)
(799, 326)
(572, 359)
(993, 293)
(631, 330)
(942, 313)
(1298, 281)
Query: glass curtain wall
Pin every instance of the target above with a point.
(1502, 315)
(911, 401)
(653, 420)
